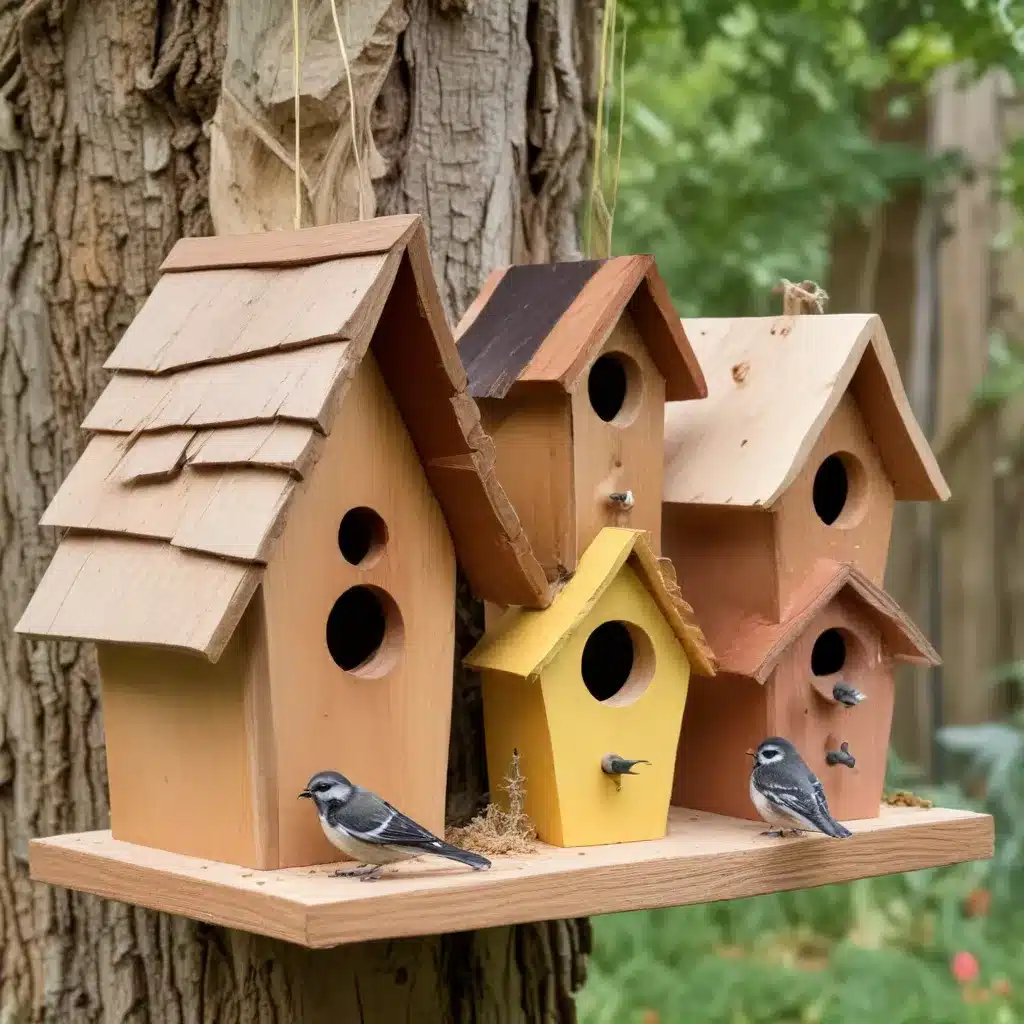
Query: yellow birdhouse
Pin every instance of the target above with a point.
(602, 671)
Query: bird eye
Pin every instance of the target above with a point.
(321, 787)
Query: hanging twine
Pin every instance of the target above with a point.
(296, 80)
(805, 297)
(296, 84)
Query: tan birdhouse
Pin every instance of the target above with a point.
(261, 538)
(571, 364)
(823, 678)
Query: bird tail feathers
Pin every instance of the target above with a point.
(467, 857)
(837, 830)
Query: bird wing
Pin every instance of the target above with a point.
(807, 802)
(373, 820)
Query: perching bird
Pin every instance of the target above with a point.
(787, 794)
(613, 764)
(841, 756)
(846, 694)
(369, 829)
(616, 767)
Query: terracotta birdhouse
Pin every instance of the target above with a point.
(800, 449)
(261, 538)
(571, 364)
(779, 494)
(599, 675)
(822, 677)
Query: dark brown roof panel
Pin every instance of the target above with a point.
(520, 313)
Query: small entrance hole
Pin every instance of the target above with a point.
(831, 489)
(365, 632)
(606, 387)
(839, 492)
(613, 387)
(617, 663)
(362, 536)
(828, 655)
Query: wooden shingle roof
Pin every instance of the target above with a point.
(224, 388)
(545, 323)
(773, 384)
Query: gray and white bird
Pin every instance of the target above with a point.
(370, 830)
(787, 794)
(613, 764)
(843, 693)
(616, 766)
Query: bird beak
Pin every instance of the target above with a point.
(751, 753)
(305, 793)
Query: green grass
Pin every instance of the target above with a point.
(878, 950)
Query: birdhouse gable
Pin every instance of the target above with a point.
(774, 384)
(224, 388)
(754, 649)
(545, 324)
(524, 641)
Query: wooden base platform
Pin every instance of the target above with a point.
(703, 858)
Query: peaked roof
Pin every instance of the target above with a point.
(545, 322)
(754, 647)
(773, 384)
(224, 387)
(524, 641)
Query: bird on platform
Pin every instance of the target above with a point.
(616, 767)
(371, 831)
(787, 794)
(846, 694)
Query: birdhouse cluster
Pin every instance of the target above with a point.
(679, 528)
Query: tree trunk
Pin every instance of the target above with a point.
(122, 128)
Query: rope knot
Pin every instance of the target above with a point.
(805, 297)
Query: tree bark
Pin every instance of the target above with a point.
(124, 126)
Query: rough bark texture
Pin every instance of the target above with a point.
(107, 111)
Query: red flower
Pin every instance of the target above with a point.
(965, 967)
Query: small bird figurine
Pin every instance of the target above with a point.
(787, 794)
(373, 832)
(841, 756)
(616, 767)
(846, 694)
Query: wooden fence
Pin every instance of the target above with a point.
(937, 266)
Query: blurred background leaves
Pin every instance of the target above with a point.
(748, 131)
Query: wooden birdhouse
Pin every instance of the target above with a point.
(839, 640)
(800, 449)
(779, 494)
(261, 538)
(571, 364)
(603, 670)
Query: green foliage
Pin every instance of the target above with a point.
(993, 753)
(749, 129)
(744, 136)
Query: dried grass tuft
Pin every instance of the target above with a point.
(497, 831)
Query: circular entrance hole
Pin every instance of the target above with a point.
(828, 655)
(837, 491)
(365, 632)
(362, 536)
(618, 663)
(613, 387)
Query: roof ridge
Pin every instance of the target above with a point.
(817, 592)
(744, 446)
